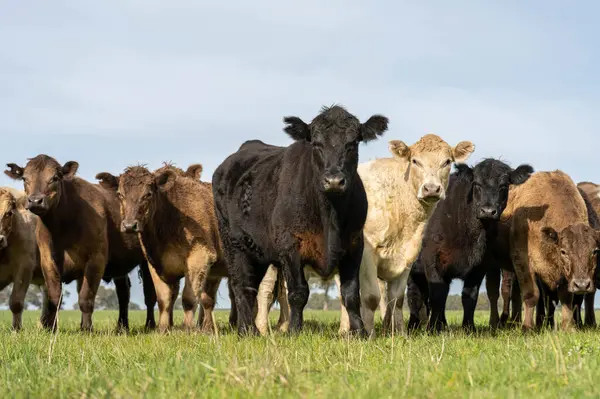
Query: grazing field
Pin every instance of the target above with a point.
(316, 363)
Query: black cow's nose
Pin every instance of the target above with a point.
(431, 190)
(334, 183)
(488, 212)
(130, 226)
(582, 285)
(3, 242)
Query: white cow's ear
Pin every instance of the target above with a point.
(463, 151)
(399, 149)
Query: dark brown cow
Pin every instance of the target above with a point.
(81, 219)
(551, 241)
(173, 214)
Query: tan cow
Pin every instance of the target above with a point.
(402, 192)
(551, 239)
(173, 214)
(19, 255)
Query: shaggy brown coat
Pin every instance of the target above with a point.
(173, 214)
(551, 239)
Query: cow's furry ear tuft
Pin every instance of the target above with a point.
(14, 171)
(194, 171)
(107, 180)
(296, 128)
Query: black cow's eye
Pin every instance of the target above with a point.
(563, 252)
(596, 251)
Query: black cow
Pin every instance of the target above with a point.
(293, 206)
(456, 238)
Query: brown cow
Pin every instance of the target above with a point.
(19, 255)
(551, 239)
(81, 223)
(173, 215)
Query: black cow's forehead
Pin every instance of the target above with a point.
(492, 172)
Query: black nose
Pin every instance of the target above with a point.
(582, 285)
(36, 199)
(334, 183)
(487, 212)
(3, 242)
(130, 226)
(431, 190)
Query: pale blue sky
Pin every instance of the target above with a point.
(114, 83)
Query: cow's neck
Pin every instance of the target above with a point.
(333, 211)
(64, 215)
(161, 229)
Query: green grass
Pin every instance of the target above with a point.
(317, 363)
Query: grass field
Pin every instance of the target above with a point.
(316, 363)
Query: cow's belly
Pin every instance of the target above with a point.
(174, 265)
(394, 260)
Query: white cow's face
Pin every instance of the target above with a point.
(429, 164)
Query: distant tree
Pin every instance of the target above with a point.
(326, 286)
(134, 306)
(33, 298)
(106, 299)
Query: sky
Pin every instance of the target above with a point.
(116, 83)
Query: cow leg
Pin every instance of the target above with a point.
(233, 311)
(492, 285)
(566, 301)
(515, 300)
(246, 277)
(123, 288)
(265, 299)
(418, 294)
(164, 296)
(507, 281)
(394, 317)
(149, 296)
(383, 295)
(438, 294)
(540, 316)
(350, 288)
(189, 303)
(369, 289)
(208, 301)
(89, 287)
(298, 290)
(590, 315)
(51, 267)
(344, 318)
(529, 289)
(283, 324)
(577, 303)
(174, 288)
(17, 296)
(470, 295)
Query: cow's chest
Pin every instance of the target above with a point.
(313, 250)
(6, 272)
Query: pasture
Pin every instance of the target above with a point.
(317, 363)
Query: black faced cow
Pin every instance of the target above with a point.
(456, 239)
(294, 206)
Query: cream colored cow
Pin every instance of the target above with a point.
(402, 192)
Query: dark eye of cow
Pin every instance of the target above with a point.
(415, 162)
(8, 214)
(446, 163)
(54, 179)
(563, 252)
(596, 251)
(146, 196)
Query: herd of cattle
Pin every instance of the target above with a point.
(273, 215)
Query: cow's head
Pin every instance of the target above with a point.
(575, 249)
(138, 189)
(429, 163)
(335, 135)
(43, 179)
(7, 210)
(490, 180)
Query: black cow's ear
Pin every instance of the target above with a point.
(69, 169)
(107, 180)
(14, 171)
(521, 174)
(550, 234)
(375, 126)
(465, 170)
(296, 128)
